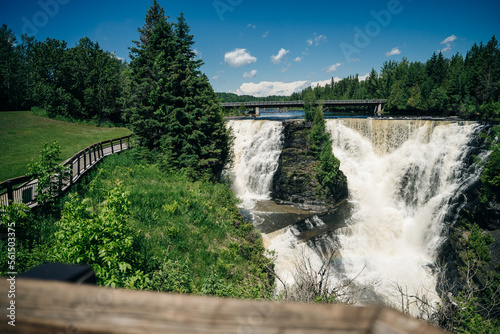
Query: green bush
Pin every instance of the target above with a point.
(102, 239)
(328, 169)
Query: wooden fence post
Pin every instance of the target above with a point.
(78, 165)
(10, 192)
(71, 173)
(121, 148)
(112, 148)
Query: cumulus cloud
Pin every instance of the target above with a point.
(298, 59)
(355, 60)
(251, 26)
(265, 34)
(447, 42)
(317, 40)
(323, 83)
(238, 58)
(267, 88)
(250, 74)
(333, 68)
(394, 51)
(279, 57)
(363, 77)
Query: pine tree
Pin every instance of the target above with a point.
(10, 65)
(156, 39)
(175, 110)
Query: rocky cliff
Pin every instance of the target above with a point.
(295, 180)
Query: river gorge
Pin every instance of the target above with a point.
(406, 183)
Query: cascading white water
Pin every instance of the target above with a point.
(257, 147)
(401, 174)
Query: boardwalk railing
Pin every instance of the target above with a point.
(24, 190)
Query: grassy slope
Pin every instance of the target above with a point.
(22, 136)
(191, 235)
(194, 223)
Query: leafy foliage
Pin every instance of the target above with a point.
(142, 228)
(490, 176)
(103, 240)
(48, 172)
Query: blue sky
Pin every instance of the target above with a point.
(274, 47)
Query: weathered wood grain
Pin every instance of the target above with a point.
(55, 307)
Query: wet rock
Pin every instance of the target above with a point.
(295, 181)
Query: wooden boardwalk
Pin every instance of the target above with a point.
(24, 190)
(43, 307)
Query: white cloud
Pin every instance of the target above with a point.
(198, 53)
(250, 75)
(449, 39)
(317, 40)
(216, 77)
(265, 34)
(298, 59)
(394, 51)
(266, 88)
(363, 77)
(251, 26)
(238, 58)
(447, 42)
(323, 83)
(333, 68)
(279, 57)
(355, 60)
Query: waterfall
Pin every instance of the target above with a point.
(401, 175)
(257, 147)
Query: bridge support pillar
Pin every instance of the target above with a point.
(378, 110)
(257, 111)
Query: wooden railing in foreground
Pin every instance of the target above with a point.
(22, 189)
(55, 307)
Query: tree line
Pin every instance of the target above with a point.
(162, 95)
(81, 82)
(468, 86)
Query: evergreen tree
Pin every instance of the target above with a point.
(174, 109)
(11, 87)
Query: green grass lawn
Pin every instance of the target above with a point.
(22, 136)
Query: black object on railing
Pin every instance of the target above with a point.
(62, 272)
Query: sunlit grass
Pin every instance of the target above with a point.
(22, 136)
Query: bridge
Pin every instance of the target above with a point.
(256, 105)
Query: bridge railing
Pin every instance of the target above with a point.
(24, 189)
(370, 102)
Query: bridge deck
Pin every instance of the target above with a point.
(282, 104)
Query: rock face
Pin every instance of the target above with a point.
(295, 180)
